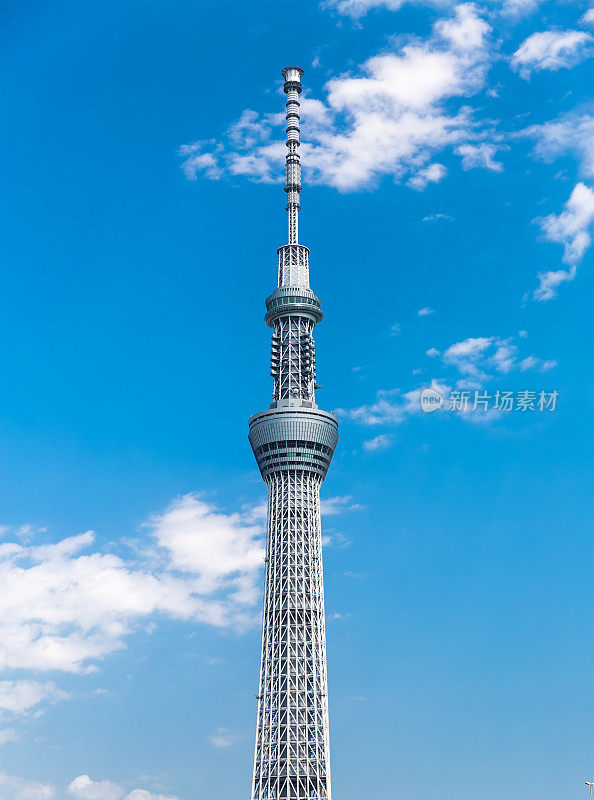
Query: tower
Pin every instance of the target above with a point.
(293, 442)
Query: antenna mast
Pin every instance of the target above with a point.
(293, 87)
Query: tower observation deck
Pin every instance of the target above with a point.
(293, 442)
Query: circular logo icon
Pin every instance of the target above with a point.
(431, 400)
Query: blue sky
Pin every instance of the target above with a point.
(448, 204)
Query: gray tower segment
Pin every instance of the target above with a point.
(293, 442)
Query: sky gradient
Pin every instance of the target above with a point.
(448, 203)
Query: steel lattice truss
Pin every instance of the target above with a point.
(292, 758)
(293, 443)
(293, 358)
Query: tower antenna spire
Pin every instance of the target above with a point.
(293, 87)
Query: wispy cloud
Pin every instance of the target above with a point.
(467, 355)
(549, 282)
(15, 788)
(437, 217)
(478, 359)
(516, 9)
(569, 133)
(551, 50)
(338, 505)
(426, 311)
(433, 173)
(358, 8)
(531, 362)
(197, 161)
(8, 735)
(390, 406)
(222, 738)
(336, 539)
(381, 442)
(571, 228)
(19, 697)
(481, 156)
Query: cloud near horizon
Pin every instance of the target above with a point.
(83, 787)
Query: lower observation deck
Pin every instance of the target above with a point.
(294, 437)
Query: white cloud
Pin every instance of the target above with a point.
(430, 174)
(330, 506)
(569, 133)
(85, 788)
(23, 532)
(336, 539)
(425, 312)
(221, 550)
(196, 161)
(480, 155)
(64, 609)
(588, 17)
(551, 50)
(436, 217)
(478, 358)
(432, 352)
(13, 788)
(504, 357)
(549, 282)
(222, 738)
(8, 735)
(388, 118)
(571, 227)
(381, 442)
(531, 362)
(528, 363)
(18, 697)
(390, 407)
(358, 8)
(466, 355)
(519, 8)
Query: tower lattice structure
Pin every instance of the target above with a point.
(293, 442)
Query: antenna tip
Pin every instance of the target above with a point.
(292, 73)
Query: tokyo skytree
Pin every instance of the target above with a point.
(293, 442)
